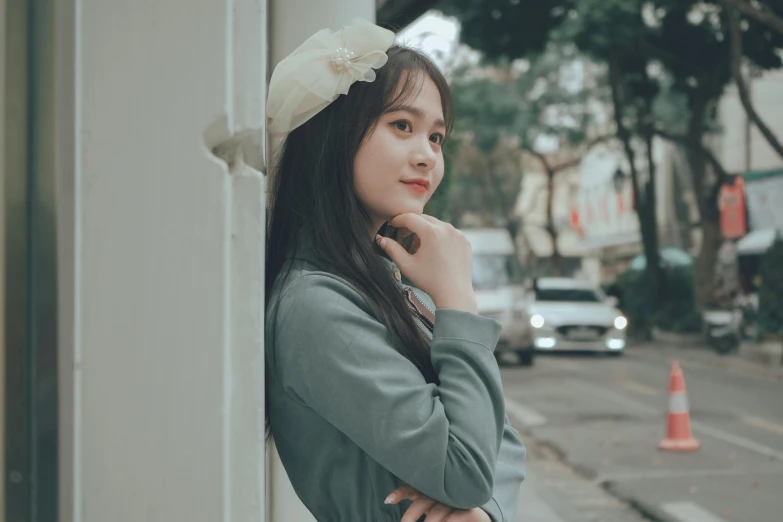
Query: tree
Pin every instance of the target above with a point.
(736, 39)
(767, 13)
(502, 112)
(771, 291)
(688, 41)
(486, 107)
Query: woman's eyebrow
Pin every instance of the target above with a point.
(415, 111)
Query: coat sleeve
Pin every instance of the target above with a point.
(332, 355)
(509, 474)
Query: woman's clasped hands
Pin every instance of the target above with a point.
(435, 511)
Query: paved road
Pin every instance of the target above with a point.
(605, 417)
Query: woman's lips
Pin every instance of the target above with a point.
(417, 185)
(421, 189)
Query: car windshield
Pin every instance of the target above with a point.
(580, 295)
(492, 271)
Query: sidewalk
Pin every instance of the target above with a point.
(553, 492)
(765, 354)
(752, 358)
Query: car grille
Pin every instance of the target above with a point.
(566, 329)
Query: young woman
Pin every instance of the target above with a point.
(383, 394)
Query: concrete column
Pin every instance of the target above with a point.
(161, 223)
(293, 22)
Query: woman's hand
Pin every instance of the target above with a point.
(442, 265)
(435, 511)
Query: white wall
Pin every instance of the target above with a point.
(531, 205)
(596, 193)
(768, 101)
(2, 255)
(161, 261)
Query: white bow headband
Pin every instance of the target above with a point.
(323, 68)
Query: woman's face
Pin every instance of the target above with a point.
(400, 163)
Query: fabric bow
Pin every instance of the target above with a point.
(323, 68)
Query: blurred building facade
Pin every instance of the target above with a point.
(742, 149)
(741, 146)
(535, 241)
(606, 220)
(604, 213)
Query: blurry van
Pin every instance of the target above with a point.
(500, 289)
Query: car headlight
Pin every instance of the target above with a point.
(537, 321)
(620, 322)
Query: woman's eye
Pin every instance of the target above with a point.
(403, 125)
(437, 138)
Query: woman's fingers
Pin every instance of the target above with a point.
(395, 251)
(439, 513)
(434, 221)
(417, 509)
(416, 223)
(402, 493)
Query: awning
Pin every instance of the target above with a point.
(756, 242)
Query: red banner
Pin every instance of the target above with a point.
(732, 209)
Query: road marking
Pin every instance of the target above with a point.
(638, 407)
(716, 433)
(739, 441)
(689, 512)
(759, 422)
(641, 388)
(671, 474)
(526, 416)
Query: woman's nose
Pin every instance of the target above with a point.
(423, 155)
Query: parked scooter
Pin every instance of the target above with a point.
(748, 306)
(722, 329)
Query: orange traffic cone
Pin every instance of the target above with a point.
(678, 433)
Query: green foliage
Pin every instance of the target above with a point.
(439, 204)
(771, 291)
(502, 111)
(669, 62)
(507, 28)
(676, 312)
(485, 108)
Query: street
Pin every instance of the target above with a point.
(595, 422)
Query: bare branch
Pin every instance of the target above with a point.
(765, 16)
(696, 145)
(744, 95)
(576, 161)
(539, 156)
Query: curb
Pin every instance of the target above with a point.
(743, 361)
(644, 508)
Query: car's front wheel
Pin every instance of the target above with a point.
(526, 357)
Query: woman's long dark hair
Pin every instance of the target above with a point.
(311, 193)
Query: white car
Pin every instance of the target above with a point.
(500, 290)
(572, 315)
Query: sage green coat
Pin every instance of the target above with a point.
(353, 419)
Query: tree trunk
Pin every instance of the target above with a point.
(645, 212)
(707, 195)
(742, 88)
(557, 260)
(654, 272)
(512, 223)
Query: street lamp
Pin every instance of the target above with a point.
(618, 180)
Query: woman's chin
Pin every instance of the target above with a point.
(414, 207)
